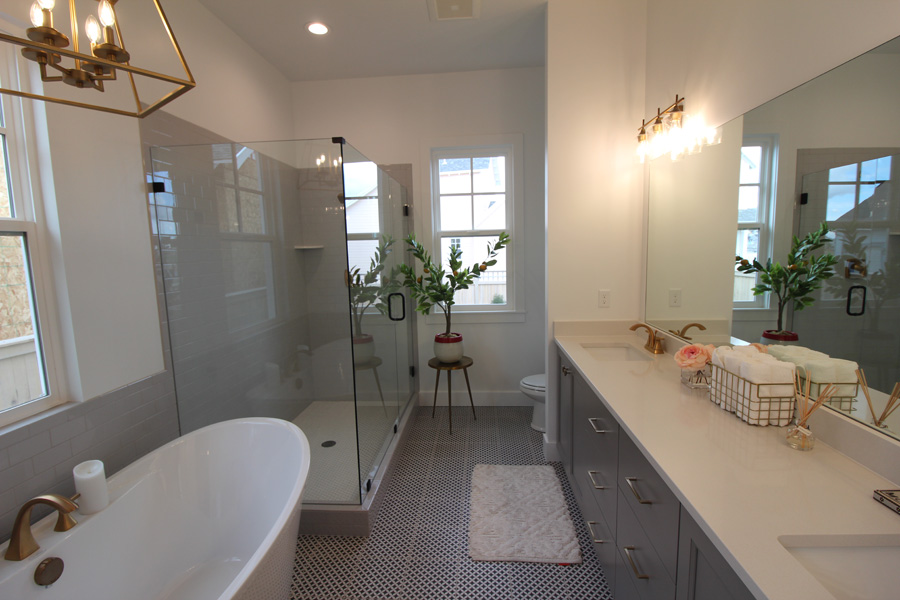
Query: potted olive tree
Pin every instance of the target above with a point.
(437, 287)
(366, 291)
(793, 282)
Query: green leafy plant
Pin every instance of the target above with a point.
(795, 281)
(437, 287)
(365, 289)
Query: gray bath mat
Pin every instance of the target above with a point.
(518, 512)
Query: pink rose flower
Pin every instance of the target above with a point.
(761, 347)
(694, 356)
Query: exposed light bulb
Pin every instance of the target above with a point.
(92, 29)
(37, 15)
(106, 13)
(47, 4)
(317, 28)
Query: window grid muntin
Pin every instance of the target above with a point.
(765, 206)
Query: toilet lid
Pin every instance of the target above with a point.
(535, 382)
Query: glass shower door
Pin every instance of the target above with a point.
(375, 221)
(856, 317)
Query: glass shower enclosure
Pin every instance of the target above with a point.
(280, 270)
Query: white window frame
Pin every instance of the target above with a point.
(767, 194)
(26, 196)
(510, 145)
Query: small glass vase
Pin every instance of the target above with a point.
(696, 378)
(800, 437)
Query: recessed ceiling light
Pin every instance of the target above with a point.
(317, 28)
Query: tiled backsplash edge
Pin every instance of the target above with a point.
(119, 427)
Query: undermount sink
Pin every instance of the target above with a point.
(615, 352)
(851, 567)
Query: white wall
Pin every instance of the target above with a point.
(101, 235)
(595, 62)
(392, 120)
(729, 57)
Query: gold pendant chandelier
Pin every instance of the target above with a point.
(90, 72)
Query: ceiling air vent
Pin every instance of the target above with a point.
(450, 10)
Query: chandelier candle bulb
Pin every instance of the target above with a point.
(90, 482)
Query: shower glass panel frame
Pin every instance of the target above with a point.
(256, 245)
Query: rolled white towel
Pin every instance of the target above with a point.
(845, 377)
(763, 409)
(733, 362)
(747, 350)
(821, 370)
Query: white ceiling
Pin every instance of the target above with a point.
(371, 38)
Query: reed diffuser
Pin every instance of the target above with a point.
(892, 403)
(799, 436)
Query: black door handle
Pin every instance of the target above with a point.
(391, 306)
(862, 308)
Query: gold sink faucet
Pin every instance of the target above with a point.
(683, 331)
(22, 543)
(655, 343)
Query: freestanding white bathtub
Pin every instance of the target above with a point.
(212, 515)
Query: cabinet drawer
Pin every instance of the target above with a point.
(602, 540)
(596, 449)
(652, 502)
(643, 567)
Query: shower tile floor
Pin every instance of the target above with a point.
(418, 548)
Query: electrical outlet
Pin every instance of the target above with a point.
(674, 298)
(603, 299)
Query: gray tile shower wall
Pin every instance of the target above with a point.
(37, 455)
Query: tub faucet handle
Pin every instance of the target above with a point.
(22, 543)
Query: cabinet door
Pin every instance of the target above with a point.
(703, 574)
(566, 377)
(595, 450)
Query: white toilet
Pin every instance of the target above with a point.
(535, 387)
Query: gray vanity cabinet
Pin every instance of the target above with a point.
(648, 545)
(703, 574)
(567, 376)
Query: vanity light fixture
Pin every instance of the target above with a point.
(673, 132)
(317, 28)
(90, 70)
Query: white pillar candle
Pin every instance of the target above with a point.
(90, 482)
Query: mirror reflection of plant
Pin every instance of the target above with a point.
(795, 281)
(436, 287)
(853, 244)
(366, 291)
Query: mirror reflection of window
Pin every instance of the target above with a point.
(755, 185)
(362, 209)
(246, 241)
(859, 191)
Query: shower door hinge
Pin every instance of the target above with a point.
(406, 210)
(368, 485)
(412, 370)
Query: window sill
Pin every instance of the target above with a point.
(476, 317)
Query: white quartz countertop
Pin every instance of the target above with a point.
(743, 484)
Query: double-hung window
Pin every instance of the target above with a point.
(754, 209)
(475, 194)
(27, 384)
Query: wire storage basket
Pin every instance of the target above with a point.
(753, 403)
(843, 398)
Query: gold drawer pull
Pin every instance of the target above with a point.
(638, 574)
(630, 481)
(594, 482)
(594, 535)
(593, 422)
